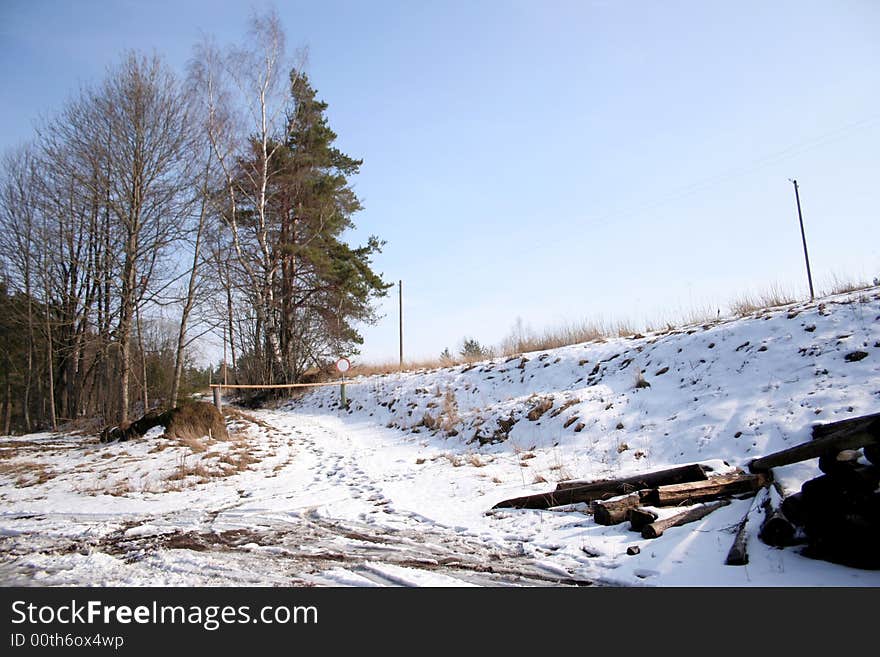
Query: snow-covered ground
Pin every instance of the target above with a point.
(399, 489)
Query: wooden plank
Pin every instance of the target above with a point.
(656, 528)
(676, 475)
(713, 488)
(827, 438)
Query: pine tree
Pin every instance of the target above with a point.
(325, 286)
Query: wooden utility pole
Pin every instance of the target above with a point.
(400, 314)
(225, 377)
(804, 238)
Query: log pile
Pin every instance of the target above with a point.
(837, 514)
(574, 492)
(629, 499)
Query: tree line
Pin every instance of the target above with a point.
(153, 209)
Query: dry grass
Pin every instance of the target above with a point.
(196, 445)
(523, 339)
(424, 365)
(750, 303)
(196, 420)
(840, 285)
(27, 473)
(446, 417)
(185, 470)
(238, 460)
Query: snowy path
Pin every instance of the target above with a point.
(319, 517)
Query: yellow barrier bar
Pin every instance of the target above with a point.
(286, 385)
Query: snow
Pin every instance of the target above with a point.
(381, 495)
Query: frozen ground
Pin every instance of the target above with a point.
(398, 490)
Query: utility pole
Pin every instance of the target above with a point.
(225, 381)
(400, 314)
(804, 238)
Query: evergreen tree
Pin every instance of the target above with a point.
(472, 350)
(321, 286)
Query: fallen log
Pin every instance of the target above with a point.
(677, 475)
(616, 510)
(656, 528)
(776, 530)
(700, 491)
(738, 555)
(832, 437)
(135, 429)
(604, 489)
(864, 425)
(639, 518)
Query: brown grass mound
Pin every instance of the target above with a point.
(195, 420)
(189, 421)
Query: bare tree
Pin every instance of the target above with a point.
(148, 153)
(17, 225)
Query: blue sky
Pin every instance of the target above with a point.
(552, 161)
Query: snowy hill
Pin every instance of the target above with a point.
(731, 390)
(399, 488)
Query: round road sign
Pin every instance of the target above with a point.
(343, 365)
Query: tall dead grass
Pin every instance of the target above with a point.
(752, 302)
(523, 339)
(836, 284)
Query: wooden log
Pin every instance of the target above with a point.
(602, 490)
(854, 426)
(738, 555)
(656, 528)
(842, 486)
(713, 488)
(677, 475)
(837, 461)
(833, 437)
(615, 510)
(136, 429)
(792, 507)
(639, 518)
(776, 530)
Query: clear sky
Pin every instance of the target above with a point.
(553, 160)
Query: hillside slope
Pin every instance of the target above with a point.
(730, 390)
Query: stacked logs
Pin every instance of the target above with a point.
(632, 498)
(837, 514)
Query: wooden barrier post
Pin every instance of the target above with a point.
(218, 398)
